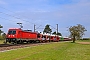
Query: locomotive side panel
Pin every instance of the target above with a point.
(27, 35)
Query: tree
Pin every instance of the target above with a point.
(47, 29)
(76, 32)
(1, 26)
(4, 35)
(57, 33)
(54, 33)
(1, 30)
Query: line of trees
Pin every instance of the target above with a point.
(47, 29)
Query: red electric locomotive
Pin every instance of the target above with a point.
(16, 35)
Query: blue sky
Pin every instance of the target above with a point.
(66, 13)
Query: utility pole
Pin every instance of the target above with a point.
(34, 27)
(57, 28)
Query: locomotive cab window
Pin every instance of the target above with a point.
(12, 32)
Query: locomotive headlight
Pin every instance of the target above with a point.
(13, 35)
(8, 35)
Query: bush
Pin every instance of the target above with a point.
(86, 38)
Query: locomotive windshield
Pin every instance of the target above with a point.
(12, 32)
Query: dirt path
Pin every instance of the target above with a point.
(83, 42)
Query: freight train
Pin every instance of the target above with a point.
(17, 35)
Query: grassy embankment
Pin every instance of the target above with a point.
(1, 41)
(52, 51)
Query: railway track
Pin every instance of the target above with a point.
(6, 47)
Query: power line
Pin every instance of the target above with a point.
(19, 15)
(53, 27)
(7, 19)
(6, 9)
(15, 16)
(20, 18)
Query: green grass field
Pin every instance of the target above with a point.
(52, 51)
(1, 41)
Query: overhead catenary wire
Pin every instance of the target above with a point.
(11, 15)
(20, 18)
(10, 11)
(17, 17)
(7, 19)
(53, 27)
